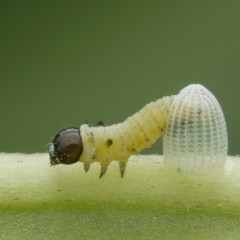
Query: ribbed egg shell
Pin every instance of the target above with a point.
(196, 135)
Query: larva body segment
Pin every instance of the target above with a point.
(118, 142)
(196, 134)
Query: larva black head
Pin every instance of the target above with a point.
(67, 147)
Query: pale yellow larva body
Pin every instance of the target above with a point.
(119, 141)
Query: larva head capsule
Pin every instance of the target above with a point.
(196, 136)
(66, 147)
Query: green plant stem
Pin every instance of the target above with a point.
(148, 190)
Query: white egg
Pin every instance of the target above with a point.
(196, 135)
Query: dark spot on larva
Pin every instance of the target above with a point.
(147, 140)
(100, 123)
(109, 142)
(133, 150)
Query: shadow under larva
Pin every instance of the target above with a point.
(192, 123)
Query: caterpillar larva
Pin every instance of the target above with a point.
(195, 138)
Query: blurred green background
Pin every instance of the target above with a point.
(63, 63)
